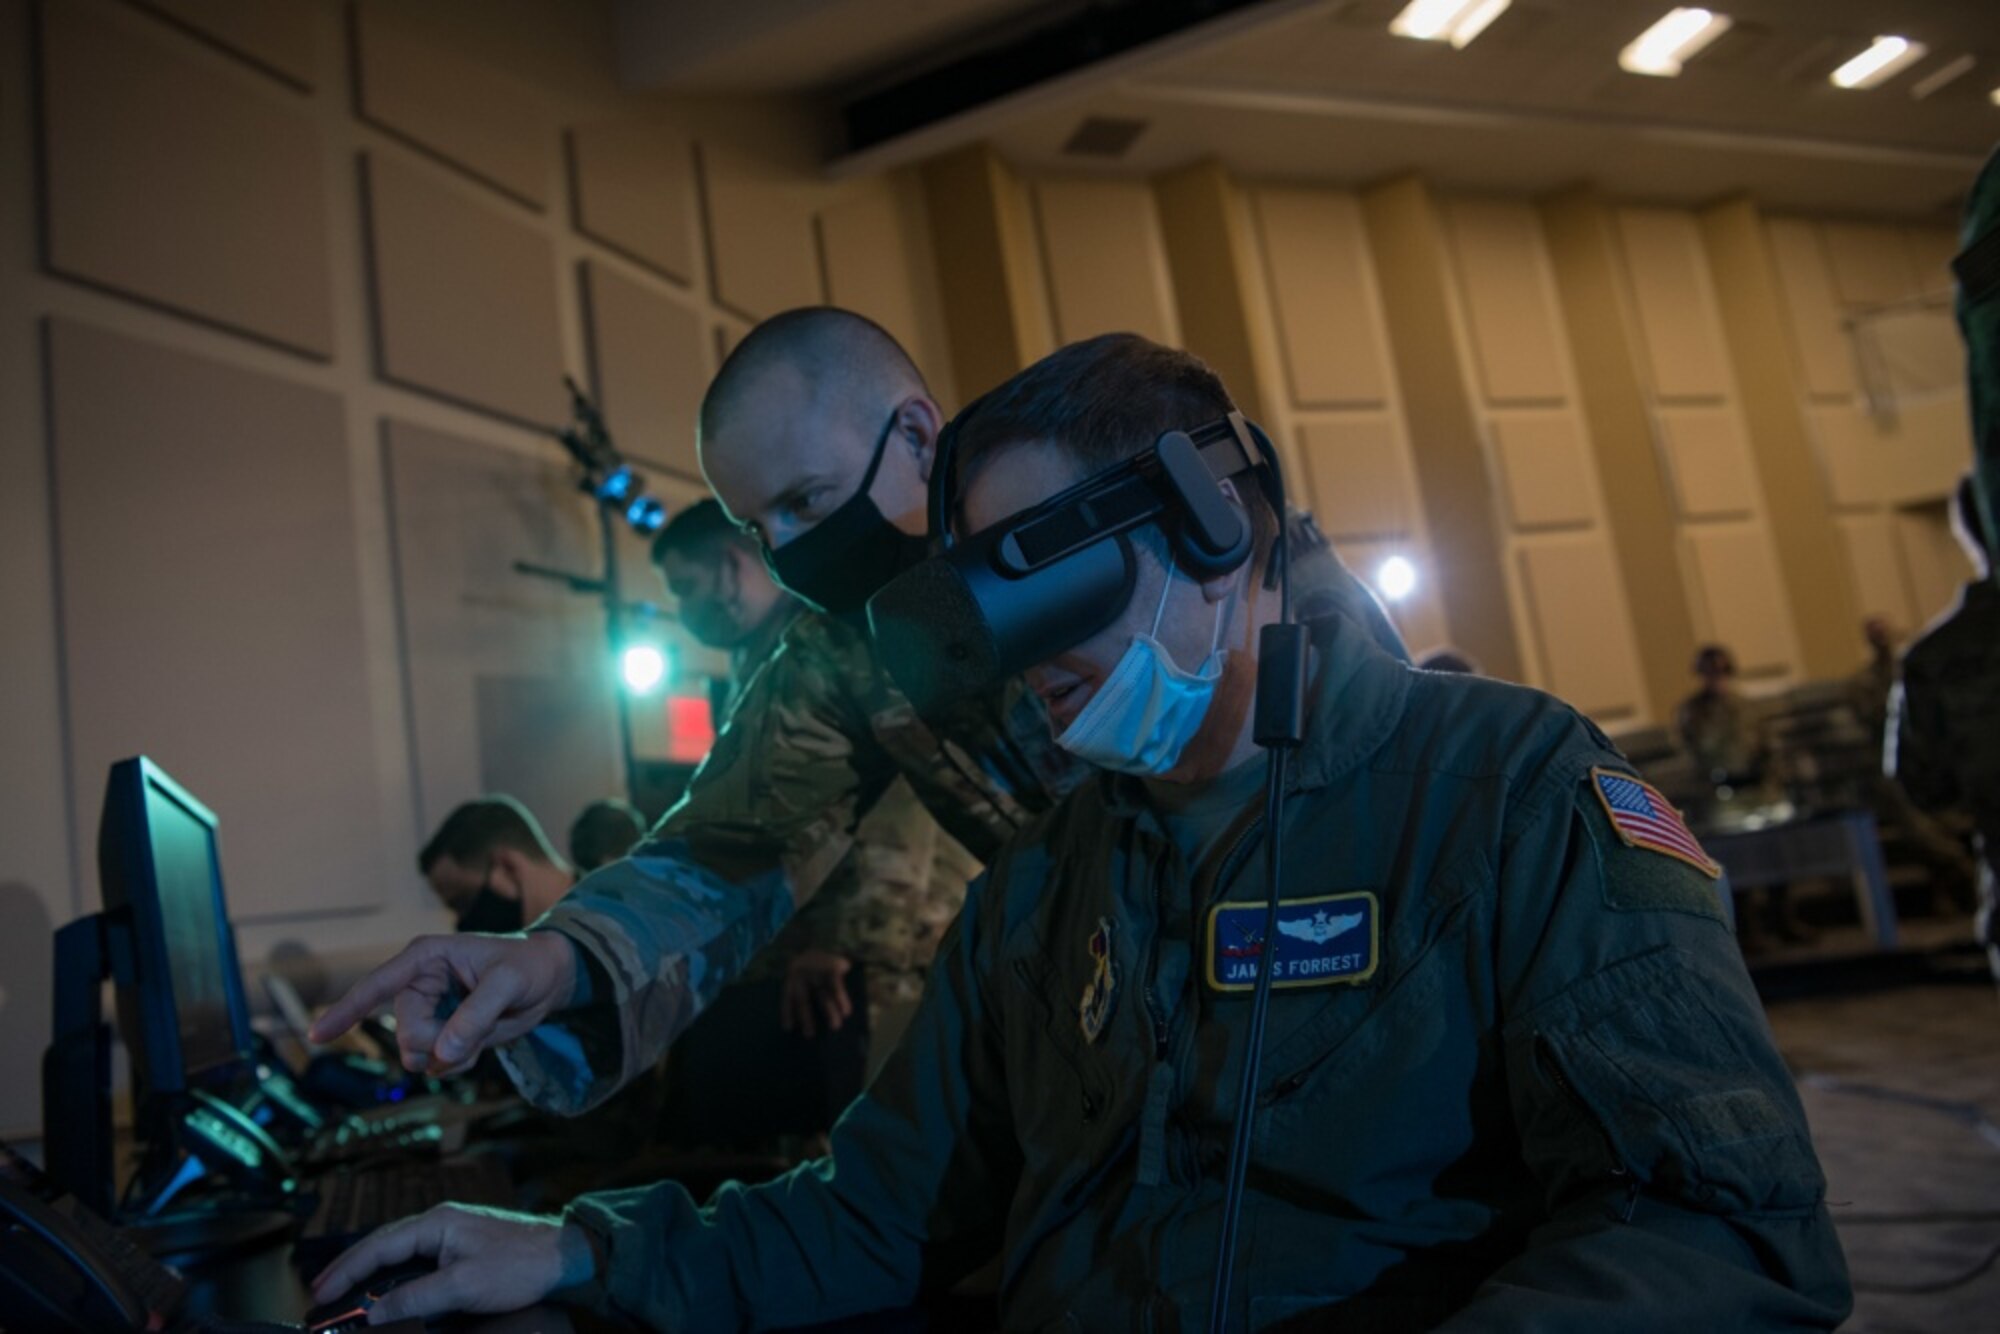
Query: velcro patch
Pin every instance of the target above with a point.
(1645, 819)
(1321, 941)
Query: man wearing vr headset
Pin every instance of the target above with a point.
(1515, 1074)
(817, 435)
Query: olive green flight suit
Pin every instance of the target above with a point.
(1540, 1094)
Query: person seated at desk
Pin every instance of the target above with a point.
(1514, 1080)
(1715, 726)
(493, 867)
(602, 832)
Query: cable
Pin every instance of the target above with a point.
(1260, 1000)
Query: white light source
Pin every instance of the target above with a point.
(643, 666)
(1994, 97)
(1396, 578)
(1454, 21)
(1884, 59)
(1663, 48)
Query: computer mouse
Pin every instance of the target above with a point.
(349, 1311)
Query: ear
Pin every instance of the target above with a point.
(1218, 588)
(515, 863)
(921, 422)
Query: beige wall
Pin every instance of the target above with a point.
(275, 386)
(1884, 473)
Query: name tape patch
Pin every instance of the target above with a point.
(1321, 941)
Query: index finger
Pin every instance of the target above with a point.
(388, 1245)
(371, 992)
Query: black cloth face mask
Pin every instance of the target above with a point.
(839, 563)
(491, 912)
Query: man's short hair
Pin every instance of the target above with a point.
(701, 533)
(1718, 654)
(471, 834)
(846, 358)
(1102, 401)
(604, 831)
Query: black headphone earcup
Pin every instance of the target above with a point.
(1197, 558)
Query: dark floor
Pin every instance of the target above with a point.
(1902, 1085)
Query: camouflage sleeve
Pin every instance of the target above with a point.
(1918, 753)
(766, 819)
(1649, 1097)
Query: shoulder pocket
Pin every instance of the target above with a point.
(1661, 1066)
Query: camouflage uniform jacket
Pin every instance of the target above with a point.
(1718, 731)
(814, 739)
(1542, 1097)
(887, 905)
(1946, 748)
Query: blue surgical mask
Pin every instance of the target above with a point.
(1149, 708)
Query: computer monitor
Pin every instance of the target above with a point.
(181, 1007)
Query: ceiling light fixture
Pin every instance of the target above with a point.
(1663, 48)
(1884, 59)
(1994, 97)
(1941, 76)
(1454, 21)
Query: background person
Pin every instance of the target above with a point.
(602, 832)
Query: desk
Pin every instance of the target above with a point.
(1837, 845)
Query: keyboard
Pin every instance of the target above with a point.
(354, 1201)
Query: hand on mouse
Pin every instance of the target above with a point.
(488, 1260)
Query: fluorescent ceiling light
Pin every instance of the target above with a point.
(1454, 21)
(1941, 76)
(1885, 58)
(1663, 48)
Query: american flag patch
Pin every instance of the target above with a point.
(1645, 819)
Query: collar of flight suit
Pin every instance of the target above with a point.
(1357, 696)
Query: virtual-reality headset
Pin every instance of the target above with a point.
(1041, 581)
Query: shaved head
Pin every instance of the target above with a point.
(832, 362)
(792, 421)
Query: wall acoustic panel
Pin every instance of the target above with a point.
(1542, 466)
(878, 262)
(278, 38)
(1677, 318)
(1870, 263)
(1858, 463)
(1931, 250)
(1316, 255)
(1420, 616)
(487, 124)
(1107, 268)
(1709, 461)
(1931, 554)
(1515, 332)
(179, 183)
(650, 364)
(1577, 611)
(1875, 561)
(493, 656)
(634, 187)
(1359, 488)
(465, 295)
(1738, 584)
(211, 597)
(1825, 355)
(760, 228)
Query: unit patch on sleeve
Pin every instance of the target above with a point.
(1321, 941)
(1645, 819)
